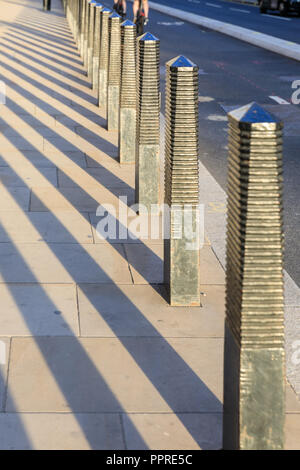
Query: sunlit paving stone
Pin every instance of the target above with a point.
(100, 375)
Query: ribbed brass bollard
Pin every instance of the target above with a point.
(254, 363)
(92, 6)
(96, 48)
(82, 26)
(182, 248)
(114, 72)
(103, 60)
(147, 174)
(86, 33)
(127, 130)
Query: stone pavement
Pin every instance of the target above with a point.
(92, 355)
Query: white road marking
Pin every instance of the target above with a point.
(238, 9)
(205, 99)
(194, 1)
(169, 23)
(277, 17)
(279, 100)
(213, 5)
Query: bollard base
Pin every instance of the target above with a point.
(127, 136)
(113, 104)
(254, 402)
(95, 80)
(182, 258)
(102, 95)
(147, 177)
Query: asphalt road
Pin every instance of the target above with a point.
(247, 16)
(234, 73)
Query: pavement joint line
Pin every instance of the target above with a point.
(265, 41)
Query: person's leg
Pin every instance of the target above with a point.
(146, 8)
(124, 6)
(135, 9)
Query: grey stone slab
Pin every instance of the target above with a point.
(61, 143)
(38, 310)
(60, 431)
(99, 142)
(111, 229)
(26, 177)
(80, 199)
(15, 157)
(147, 266)
(173, 431)
(211, 271)
(62, 227)
(292, 346)
(146, 262)
(124, 178)
(96, 160)
(292, 400)
(4, 361)
(14, 198)
(292, 431)
(143, 375)
(27, 142)
(140, 310)
(63, 262)
(71, 157)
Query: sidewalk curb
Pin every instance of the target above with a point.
(271, 43)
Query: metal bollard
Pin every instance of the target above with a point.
(96, 48)
(82, 27)
(114, 72)
(147, 174)
(103, 60)
(92, 6)
(254, 362)
(182, 247)
(127, 132)
(86, 32)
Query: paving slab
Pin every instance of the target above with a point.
(38, 310)
(24, 176)
(60, 431)
(16, 157)
(62, 227)
(12, 199)
(146, 264)
(292, 431)
(141, 310)
(124, 178)
(173, 431)
(63, 263)
(43, 199)
(108, 375)
(131, 229)
(31, 142)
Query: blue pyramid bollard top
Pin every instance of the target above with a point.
(93, 1)
(181, 61)
(106, 9)
(148, 37)
(253, 113)
(99, 5)
(115, 15)
(128, 23)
